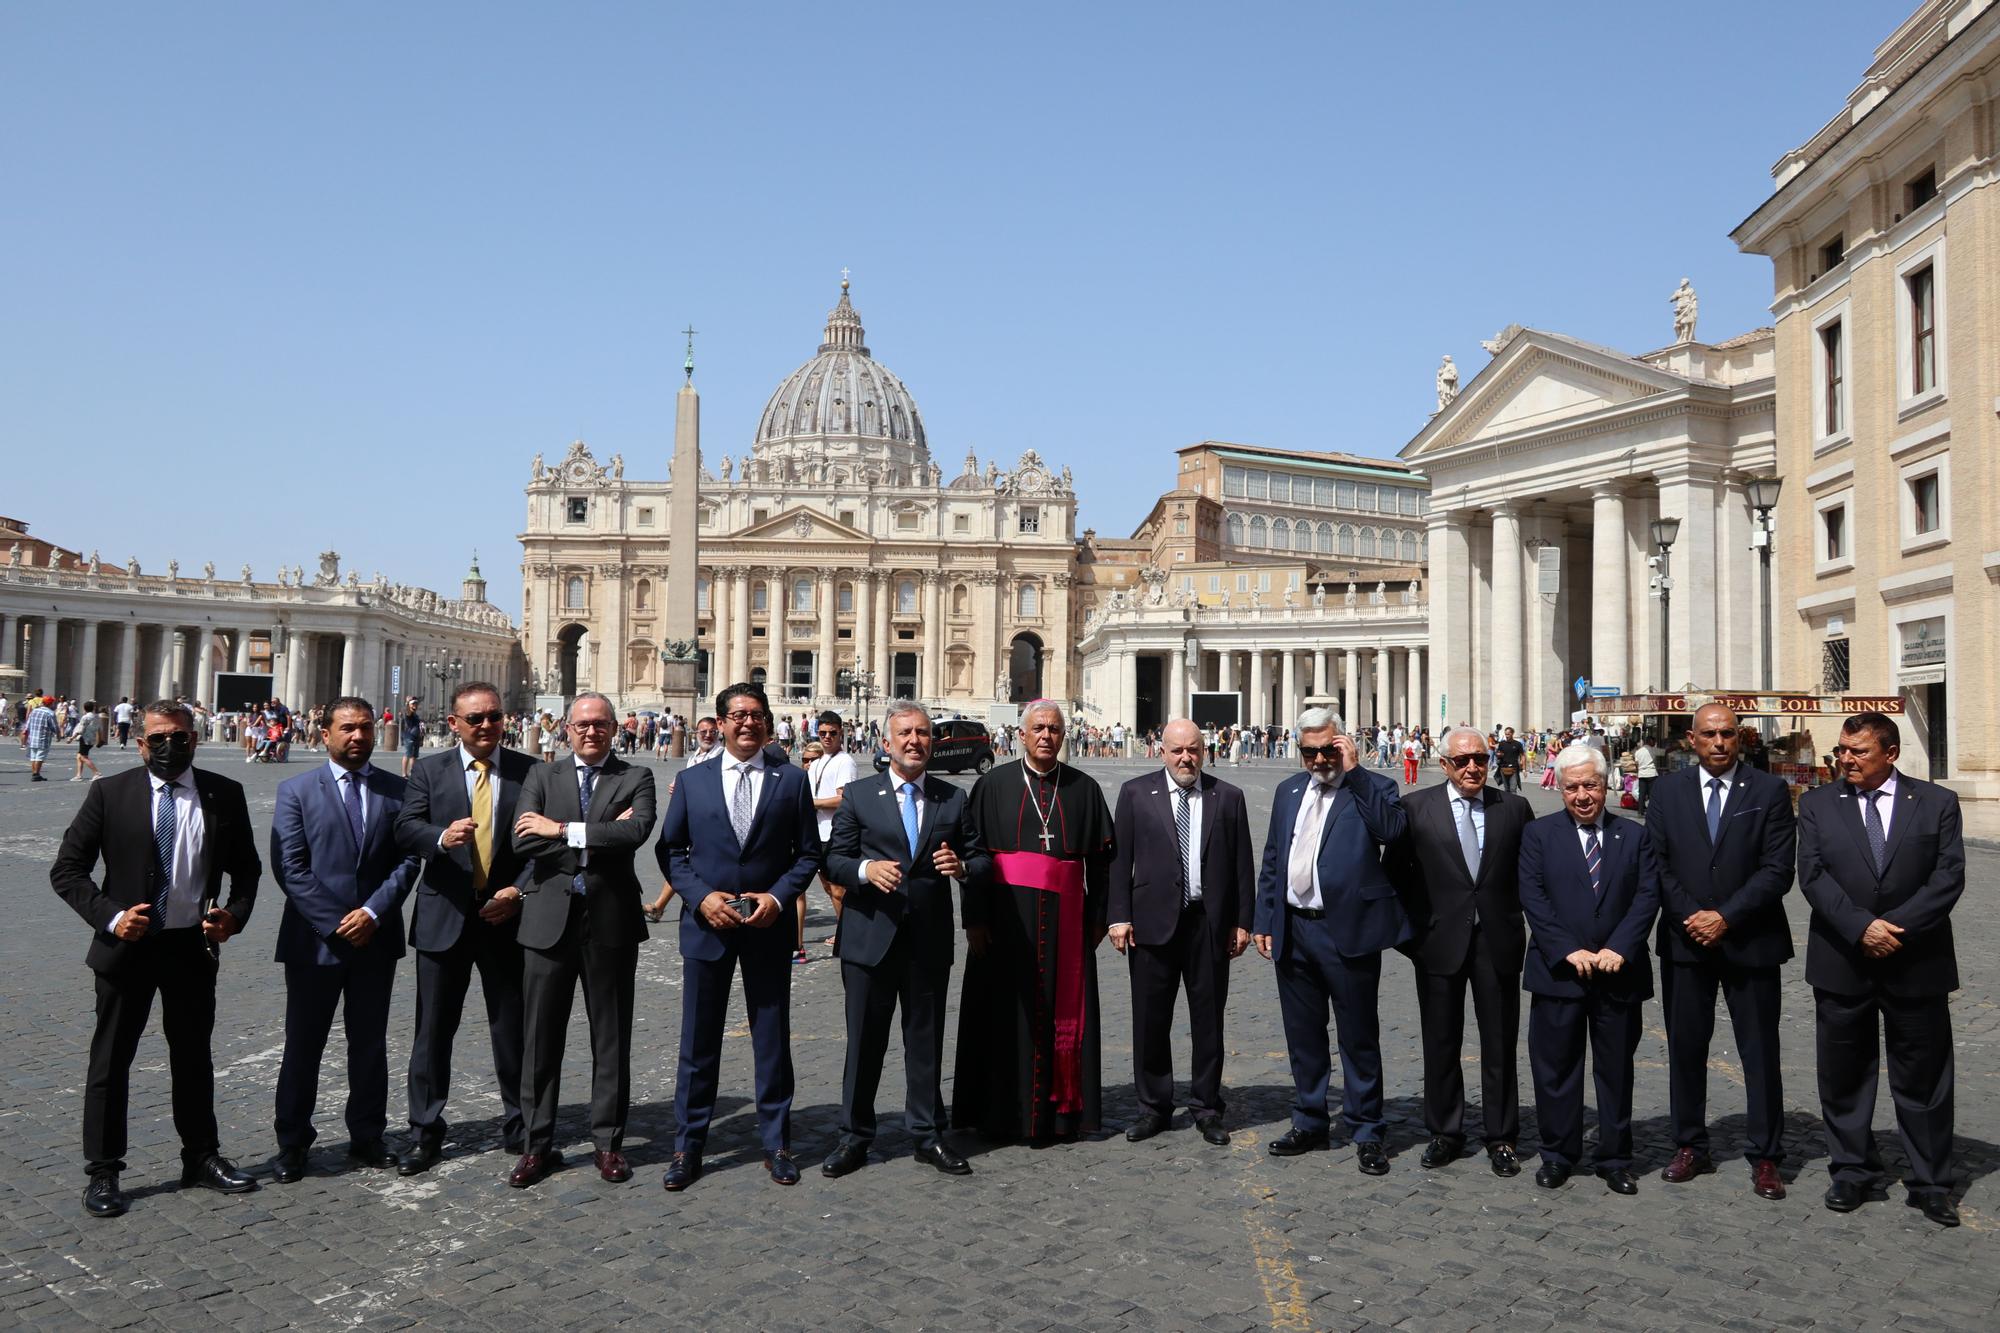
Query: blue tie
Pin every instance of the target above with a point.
(588, 778)
(1714, 810)
(1593, 859)
(910, 817)
(352, 783)
(164, 824)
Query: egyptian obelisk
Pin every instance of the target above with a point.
(677, 677)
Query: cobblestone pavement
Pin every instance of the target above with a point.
(1169, 1234)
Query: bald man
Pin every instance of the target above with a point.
(1182, 897)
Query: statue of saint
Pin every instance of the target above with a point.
(131, 566)
(55, 558)
(173, 570)
(536, 473)
(94, 563)
(208, 570)
(1686, 307)
(246, 574)
(14, 554)
(617, 467)
(727, 467)
(1447, 383)
(1319, 597)
(1349, 597)
(1380, 597)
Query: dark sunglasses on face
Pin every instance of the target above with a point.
(1318, 751)
(1461, 760)
(480, 719)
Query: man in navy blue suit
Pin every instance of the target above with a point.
(334, 854)
(1726, 841)
(739, 844)
(1325, 912)
(1589, 888)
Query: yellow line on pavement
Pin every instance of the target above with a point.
(1284, 1294)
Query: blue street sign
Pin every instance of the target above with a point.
(1606, 691)
(1582, 687)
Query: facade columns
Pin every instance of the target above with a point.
(1419, 696)
(739, 626)
(297, 650)
(1450, 584)
(204, 668)
(1697, 616)
(86, 666)
(240, 652)
(721, 644)
(1610, 600)
(930, 675)
(1288, 689)
(1176, 672)
(1381, 687)
(1260, 691)
(1319, 670)
(864, 619)
(47, 631)
(123, 672)
(173, 647)
(823, 673)
(775, 672)
(1128, 690)
(885, 683)
(1508, 624)
(1225, 670)
(996, 634)
(350, 662)
(1351, 699)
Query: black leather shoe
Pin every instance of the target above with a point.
(289, 1165)
(371, 1153)
(1843, 1196)
(1296, 1142)
(103, 1198)
(1441, 1151)
(945, 1158)
(783, 1169)
(1936, 1206)
(1372, 1157)
(419, 1157)
(218, 1173)
(1619, 1180)
(1552, 1177)
(1145, 1127)
(844, 1161)
(1503, 1159)
(1212, 1130)
(682, 1171)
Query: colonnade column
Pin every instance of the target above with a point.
(1175, 669)
(885, 684)
(86, 666)
(1420, 697)
(1382, 686)
(722, 646)
(864, 620)
(240, 651)
(774, 632)
(739, 626)
(1128, 691)
(931, 675)
(823, 675)
(173, 646)
(1351, 700)
(297, 646)
(47, 631)
(350, 662)
(204, 667)
(1319, 670)
(1260, 694)
(1450, 584)
(121, 681)
(1288, 688)
(1610, 600)
(1508, 626)
(1225, 670)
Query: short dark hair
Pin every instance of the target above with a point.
(473, 687)
(742, 689)
(171, 708)
(346, 701)
(829, 719)
(1879, 725)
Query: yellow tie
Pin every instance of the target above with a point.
(482, 824)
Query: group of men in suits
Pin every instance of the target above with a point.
(527, 877)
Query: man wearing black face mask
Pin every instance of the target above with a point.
(167, 833)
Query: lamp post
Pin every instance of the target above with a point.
(1664, 530)
(444, 671)
(1763, 493)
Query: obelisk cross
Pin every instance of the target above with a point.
(688, 366)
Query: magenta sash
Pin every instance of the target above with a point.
(1064, 878)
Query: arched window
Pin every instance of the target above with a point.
(1236, 529)
(1346, 544)
(1325, 543)
(642, 594)
(1410, 547)
(958, 599)
(760, 597)
(1281, 534)
(802, 595)
(573, 590)
(1367, 541)
(1302, 536)
(1258, 536)
(906, 597)
(1030, 601)
(846, 598)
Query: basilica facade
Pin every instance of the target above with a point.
(834, 553)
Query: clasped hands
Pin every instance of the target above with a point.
(1706, 928)
(1587, 963)
(1882, 938)
(715, 910)
(888, 875)
(136, 921)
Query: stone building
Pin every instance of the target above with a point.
(1879, 232)
(78, 627)
(836, 545)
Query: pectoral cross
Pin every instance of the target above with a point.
(1047, 839)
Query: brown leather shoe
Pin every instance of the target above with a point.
(533, 1168)
(1687, 1164)
(1764, 1179)
(611, 1166)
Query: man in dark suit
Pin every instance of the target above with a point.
(333, 851)
(739, 845)
(1456, 869)
(1725, 840)
(458, 817)
(898, 841)
(582, 824)
(1182, 900)
(168, 833)
(1325, 912)
(1882, 862)
(1589, 888)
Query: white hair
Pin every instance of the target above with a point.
(1577, 756)
(1319, 719)
(1045, 706)
(899, 708)
(1444, 741)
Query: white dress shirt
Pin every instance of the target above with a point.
(340, 775)
(896, 781)
(573, 831)
(1885, 806)
(1583, 832)
(736, 770)
(1459, 804)
(1326, 793)
(190, 860)
(1730, 782)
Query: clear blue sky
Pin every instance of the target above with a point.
(282, 277)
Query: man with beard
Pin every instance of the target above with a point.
(1028, 1037)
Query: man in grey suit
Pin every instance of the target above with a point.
(581, 823)
(898, 841)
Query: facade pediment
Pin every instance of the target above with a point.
(800, 524)
(1539, 380)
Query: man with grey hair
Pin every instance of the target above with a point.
(1325, 912)
(1590, 887)
(1455, 868)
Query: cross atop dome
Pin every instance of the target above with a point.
(843, 325)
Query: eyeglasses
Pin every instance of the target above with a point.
(1461, 760)
(744, 717)
(1318, 751)
(592, 726)
(481, 719)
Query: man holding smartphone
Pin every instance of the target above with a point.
(739, 844)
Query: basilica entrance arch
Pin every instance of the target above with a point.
(1024, 668)
(570, 658)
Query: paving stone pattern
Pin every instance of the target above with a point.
(1169, 1234)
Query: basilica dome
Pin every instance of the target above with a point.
(842, 402)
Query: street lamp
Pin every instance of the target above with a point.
(444, 672)
(1664, 530)
(1764, 498)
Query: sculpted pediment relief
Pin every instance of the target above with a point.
(1536, 385)
(800, 524)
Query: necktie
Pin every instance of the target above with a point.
(351, 799)
(1184, 836)
(1305, 847)
(1468, 839)
(164, 824)
(586, 782)
(910, 816)
(1878, 837)
(1593, 859)
(482, 823)
(1714, 810)
(740, 809)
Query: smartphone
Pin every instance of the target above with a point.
(743, 907)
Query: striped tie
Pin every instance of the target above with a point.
(1593, 859)
(1184, 835)
(164, 825)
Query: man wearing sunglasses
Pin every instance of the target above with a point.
(1325, 912)
(1454, 868)
(456, 816)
